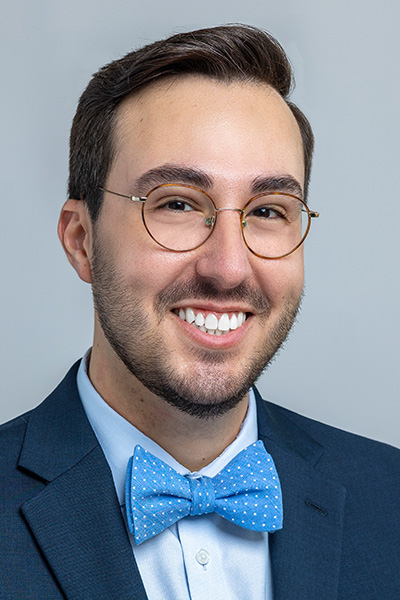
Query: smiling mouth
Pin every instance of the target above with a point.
(208, 322)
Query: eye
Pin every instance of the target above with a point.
(268, 212)
(176, 204)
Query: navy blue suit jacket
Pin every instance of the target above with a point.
(62, 534)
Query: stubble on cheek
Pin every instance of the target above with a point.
(211, 383)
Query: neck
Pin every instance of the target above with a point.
(193, 441)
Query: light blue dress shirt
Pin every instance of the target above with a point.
(199, 558)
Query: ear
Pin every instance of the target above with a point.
(75, 233)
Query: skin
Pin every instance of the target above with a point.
(235, 134)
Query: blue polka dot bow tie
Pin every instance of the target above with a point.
(246, 492)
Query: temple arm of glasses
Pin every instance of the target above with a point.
(134, 198)
(313, 214)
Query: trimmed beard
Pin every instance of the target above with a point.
(205, 392)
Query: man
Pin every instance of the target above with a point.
(189, 173)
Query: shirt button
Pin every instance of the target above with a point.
(202, 557)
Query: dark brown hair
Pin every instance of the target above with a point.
(227, 53)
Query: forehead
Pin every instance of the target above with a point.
(232, 131)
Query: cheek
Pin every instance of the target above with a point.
(149, 269)
(283, 279)
(143, 268)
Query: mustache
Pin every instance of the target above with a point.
(206, 290)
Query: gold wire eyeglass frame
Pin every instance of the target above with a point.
(211, 221)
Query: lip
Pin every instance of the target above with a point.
(227, 340)
(208, 307)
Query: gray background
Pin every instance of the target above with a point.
(341, 363)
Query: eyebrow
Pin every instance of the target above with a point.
(170, 173)
(278, 183)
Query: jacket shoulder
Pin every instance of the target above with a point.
(350, 449)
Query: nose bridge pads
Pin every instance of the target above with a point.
(210, 221)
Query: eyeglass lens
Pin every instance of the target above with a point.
(181, 218)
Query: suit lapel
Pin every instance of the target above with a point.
(77, 522)
(76, 519)
(305, 554)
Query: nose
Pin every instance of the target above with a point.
(224, 257)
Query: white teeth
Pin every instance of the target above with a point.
(223, 323)
(211, 321)
(211, 324)
(234, 322)
(190, 316)
(199, 320)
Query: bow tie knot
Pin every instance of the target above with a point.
(202, 495)
(246, 492)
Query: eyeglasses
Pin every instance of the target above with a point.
(182, 218)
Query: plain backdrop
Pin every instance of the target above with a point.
(340, 364)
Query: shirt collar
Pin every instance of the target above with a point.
(118, 437)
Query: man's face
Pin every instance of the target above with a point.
(232, 139)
